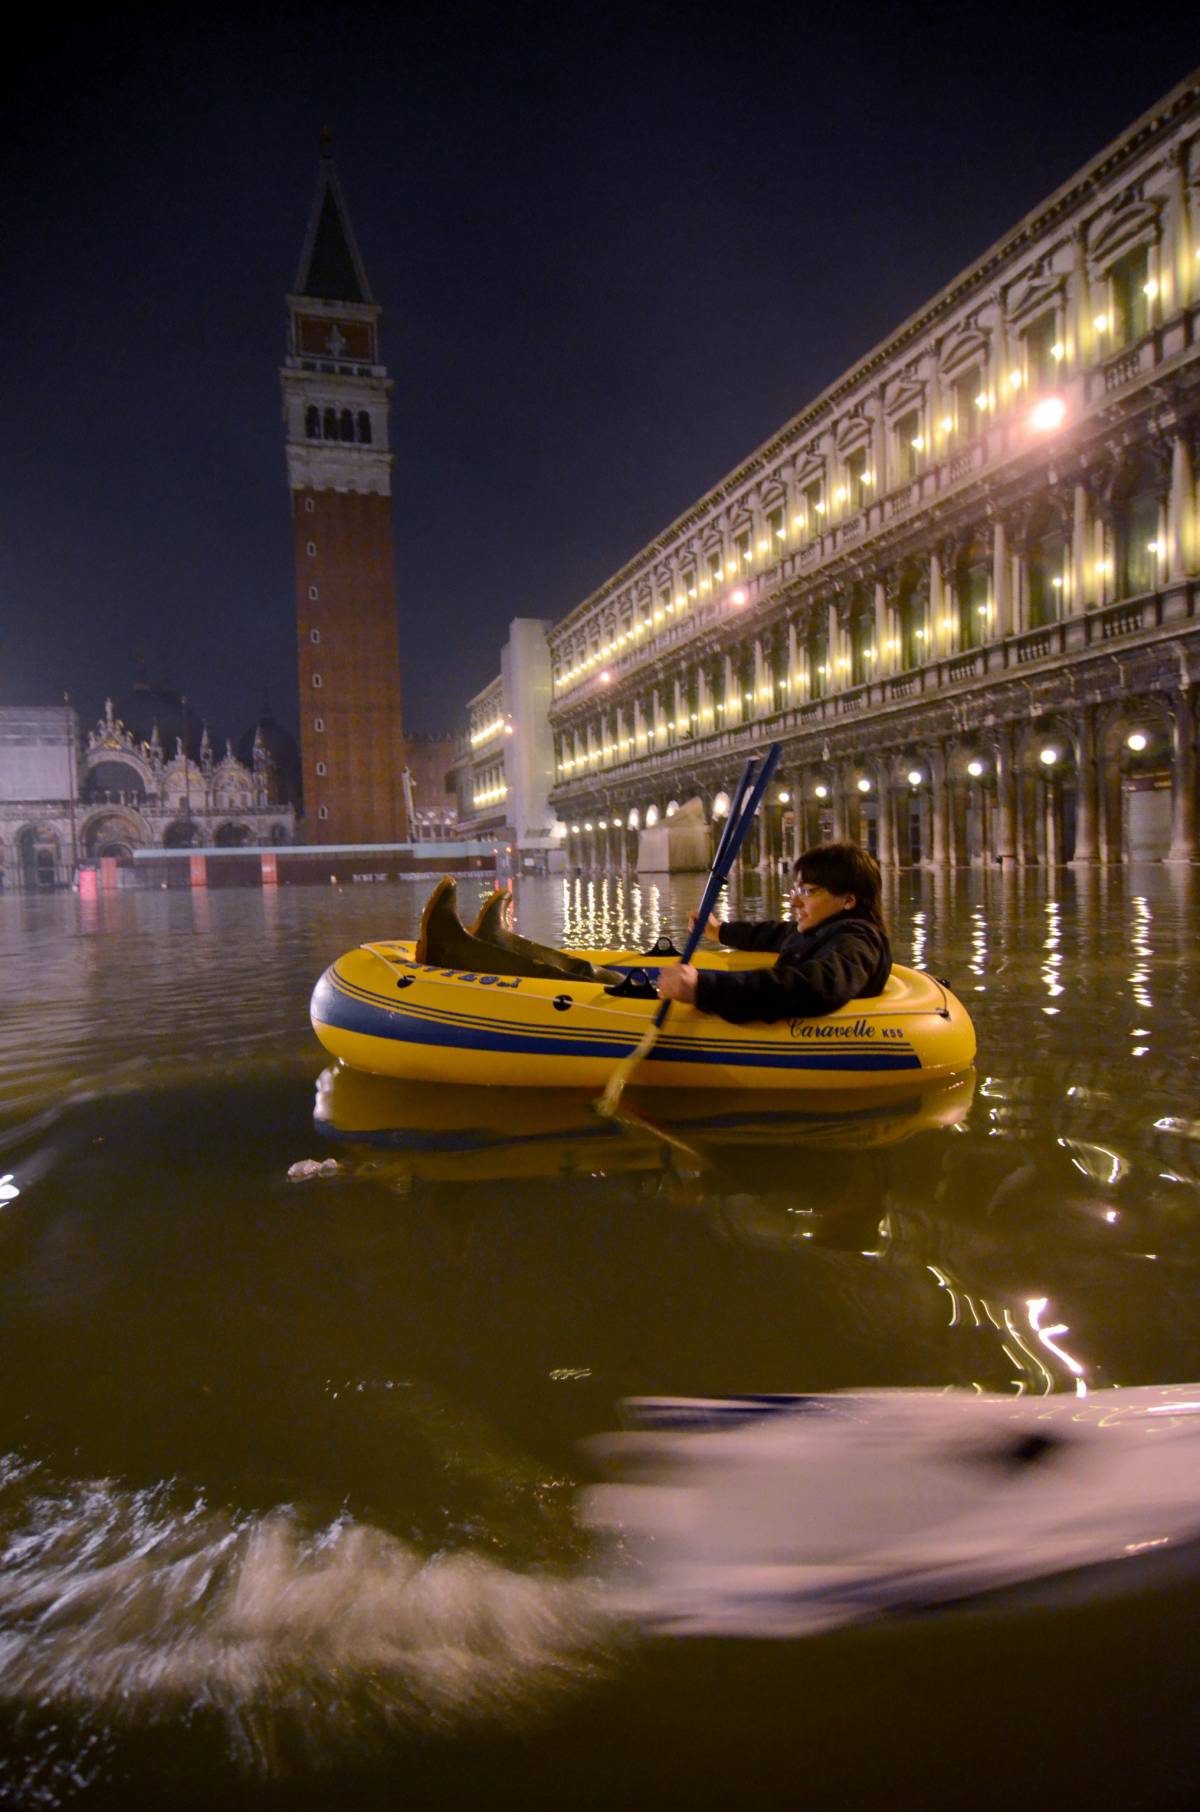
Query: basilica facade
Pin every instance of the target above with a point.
(960, 587)
(67, 799)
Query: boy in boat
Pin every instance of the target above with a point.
(836, 950)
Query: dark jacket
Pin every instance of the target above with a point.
(845, 958)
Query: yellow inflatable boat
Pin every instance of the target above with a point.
(381, 1011)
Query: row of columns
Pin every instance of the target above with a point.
(1016, 812)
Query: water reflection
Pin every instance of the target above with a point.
(399, 1358)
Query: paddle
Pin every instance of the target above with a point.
(737, 826)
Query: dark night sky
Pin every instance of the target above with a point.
(616, 249)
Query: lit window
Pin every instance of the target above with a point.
(1129, 296)
(1042, 351)
(317, 681)
(318, 724)
(314, 636)
(857, 479)
(313, 594)
(321, 769)
(907, 446)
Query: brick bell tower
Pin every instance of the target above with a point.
(335, 405)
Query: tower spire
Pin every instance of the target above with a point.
(330, 265)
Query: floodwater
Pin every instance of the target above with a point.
(290, 1472)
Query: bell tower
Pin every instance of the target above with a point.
(335, 408)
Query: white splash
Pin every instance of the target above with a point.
(128, 1604)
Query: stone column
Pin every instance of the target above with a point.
(793, 660)
(841, 828)
(1180, 509)
(1085, 790)
(732, 711)
(1001, 595)
(761, 670)
(885, 818)
(1112, 850)
(1183, 777)
(939, 790)
(1081, 311)
(1028, 803)
(834, 644)
(1081, 566)
(883, 662)
(1006, 800)
(959, 852)
(937, 643)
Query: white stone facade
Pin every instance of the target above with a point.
(512, 751)
(973, 560)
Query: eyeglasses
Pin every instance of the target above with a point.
(801, 891)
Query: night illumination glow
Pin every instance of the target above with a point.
(1048, 414)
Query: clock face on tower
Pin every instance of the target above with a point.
(320, 337)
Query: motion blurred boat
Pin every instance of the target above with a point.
(431, 1133)
(381, 1011)
(781, 1516)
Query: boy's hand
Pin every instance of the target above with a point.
(678, 983)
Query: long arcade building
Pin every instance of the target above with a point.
(960, 587)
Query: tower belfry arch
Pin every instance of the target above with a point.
(336, 393)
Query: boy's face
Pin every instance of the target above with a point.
(812, 905)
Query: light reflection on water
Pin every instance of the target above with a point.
(190, 1345)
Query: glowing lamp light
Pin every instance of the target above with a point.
(975, 769)
(1101, 323)
(820, 508)
(840, 494)
(1015, 380)
(918, 442)
(1136, 741)
(946, 424)
(1048, 414)
(864, 785)
(587, 827)
(1058, 350)
(915, 777)
(785, 797)
(1155, 547)
(603, 824)
(605, 677)
(1150, 289)
(738, 597)
(1048, 757)
(821, 790)
(981, 401)
(576, 829)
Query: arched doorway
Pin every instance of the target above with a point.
(38, 855)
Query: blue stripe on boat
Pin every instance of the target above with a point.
(334, 1005)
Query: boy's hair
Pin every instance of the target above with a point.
(845, 868)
